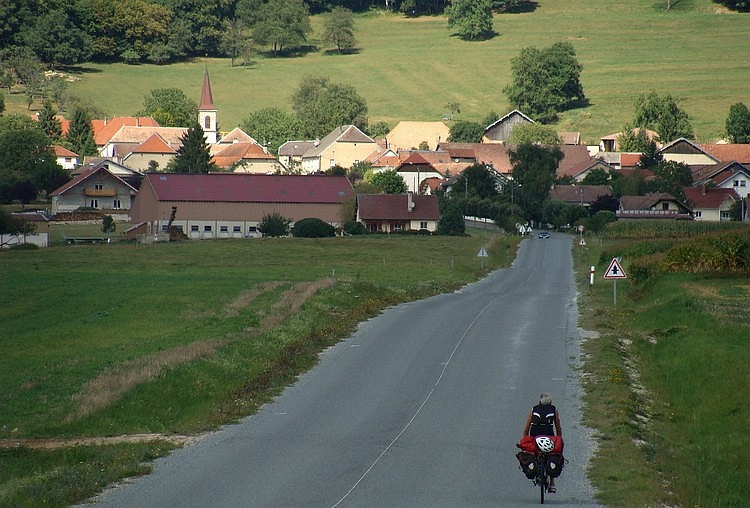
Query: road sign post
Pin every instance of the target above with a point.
(614, 272)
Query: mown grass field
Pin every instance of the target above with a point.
(409, 69)
(178, 338)
(665, 380)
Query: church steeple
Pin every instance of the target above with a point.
(207, 111)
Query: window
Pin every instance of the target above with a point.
(698, 214)
(206, 229)
(743, 183)
(252, 229)
(94, 203)
(665, 206)
(423, 224)
(736, 183)
(398, 227)
(207, 122)
(194, 229)
(98, 186)
(237, 229)
(331, 163)
(224, 229)
(116, 204)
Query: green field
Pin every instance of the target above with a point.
(409, 69)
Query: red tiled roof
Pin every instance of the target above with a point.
(243, 150)
(629, 160)
(395, 206)
(86, 174)
(249, 187)
(729, 152)
(63, 152)
(105, 129)
(709, 197)
(154, 144)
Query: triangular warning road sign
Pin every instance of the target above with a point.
(615, 271)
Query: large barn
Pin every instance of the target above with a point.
(231, 205)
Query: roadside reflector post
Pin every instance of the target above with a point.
(591, 278)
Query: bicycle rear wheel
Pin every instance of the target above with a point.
(543, 478)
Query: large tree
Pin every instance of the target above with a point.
(49, 123)
(738, 123)
(389, 182)
(671, 177)
(534, 133)
(545, 82)
(194, 155)
(56, 38)
(466, 132)
(80, 134)
(338, 29)
(272, 127)
(282, 24)
(476, 180)
(661, 113)
(322, 105)
(170, 107)
(472, 19)
(533, 172)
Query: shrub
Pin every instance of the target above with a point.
(352, 227)
(274, 224)
(313, 228)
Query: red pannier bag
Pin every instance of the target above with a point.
(528, 444)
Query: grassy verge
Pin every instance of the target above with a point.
(167, 339)
(665, 381)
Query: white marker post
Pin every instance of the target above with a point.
(591, 278)
(614, 272)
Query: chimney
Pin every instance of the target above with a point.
(409, 201)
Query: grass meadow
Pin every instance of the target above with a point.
(175, 339)
(410, 69)
(665, 380)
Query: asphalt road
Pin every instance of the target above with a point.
(422, 406)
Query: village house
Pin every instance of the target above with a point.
(95, 187)
(344, 146)
(710, 203)
(656, 205)
(390, 213)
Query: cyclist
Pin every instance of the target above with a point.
(543, 420)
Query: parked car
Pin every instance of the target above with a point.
(544, 234)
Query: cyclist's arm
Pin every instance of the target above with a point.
(527, 426)
(557, 424)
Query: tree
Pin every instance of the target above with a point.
(49, 123)
(466, 132)
(471, 18)
(533, 172)
(80, 134)
(274, 224)
(660, 113)
(476, 180)
(108, 225)
(322, 105)
(737, 5)
(597, 176)
(633, 139)
(282, 24)
(378, 130)
(24, 191)
(650, 157)
(194, 155)
(738, 123)
(338, 29)
(534, 133)
(451, 218)
(545, 82)
(272, 127)
(236, 42)
(389, 182)
(170, 107)
(56, 39)
(672, 177)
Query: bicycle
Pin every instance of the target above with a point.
(536, 464)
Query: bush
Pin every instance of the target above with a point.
(274, 224)
(352, 227)
(313, 228)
